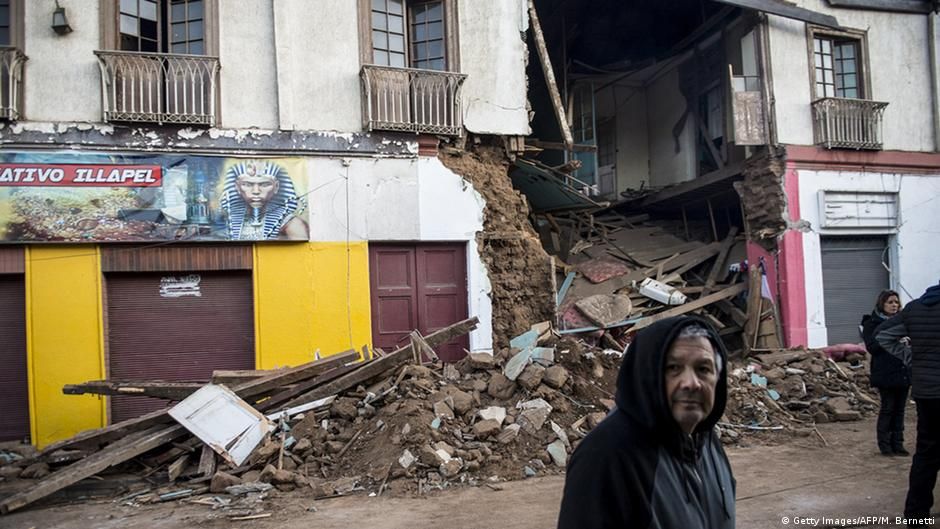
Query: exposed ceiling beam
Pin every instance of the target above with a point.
(897, 6)
(785, 9)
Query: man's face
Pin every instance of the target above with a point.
(256, 190)
(691, 377)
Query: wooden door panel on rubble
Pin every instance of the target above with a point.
(14, 388)
(418, 286)
(154, 336)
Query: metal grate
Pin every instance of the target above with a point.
(11, 79)
(158, 87)
(848, 123)
(409, 99)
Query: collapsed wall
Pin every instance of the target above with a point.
(520, 272)
(762, 197)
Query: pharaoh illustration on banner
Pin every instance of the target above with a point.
(84, 197)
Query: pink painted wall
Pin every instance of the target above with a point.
(792, 275)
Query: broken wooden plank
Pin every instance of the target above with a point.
(753, 305)
(690, 306)
(232, 377)
(177, 467)
(207, 462)
(375, 368)
(117, 452)
(549, 74)
(719, 264)
(150, 388)
(422, 349)
(280, 398)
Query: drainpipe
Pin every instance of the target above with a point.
(277, 90)
(934, 76)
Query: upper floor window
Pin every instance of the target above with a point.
(11, 23)
(169, 26)
(411, 33)
(5, 37)
(838, 65)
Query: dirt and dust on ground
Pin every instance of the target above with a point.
(519, 270)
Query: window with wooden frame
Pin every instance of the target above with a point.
(409, 33)
(160, 26)
(839, 64)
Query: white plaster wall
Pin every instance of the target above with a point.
(899, 60)
(248, 78)
(665, 105)
(493, 54)
(633, 157)
(318, 64)
(402, 200)
(915, 241)
(61, 79)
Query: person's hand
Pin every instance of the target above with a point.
(906, 341)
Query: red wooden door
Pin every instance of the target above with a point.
(14, 389)
(418, 286)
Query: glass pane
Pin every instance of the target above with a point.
(437, 64)
(830, 90)
(748, 55)
(380, 57)
(396, 7)
(848, 50)
(378, 5)
(820, 89)
(819, 75)
(817, 60)
(827, 62)
(4, 15)
(826, 46)
(148, 10)
(838, 67)
(837, 53)
(148, 29)
(436, 48)
(129, 43)
(753, 84)
(817, 45)
(129, 7)
(419, 51)
(419, 32)
(178, 12)
(849, 81)
(848, 66)
(195, 30)
(435, 30)
(197, 47)
(178, 32)
(129, 25)
(396, 43)
(738, 84)
(435, 11)
(148, 45)
(851, 93)
(379, 21)
(4, 36)
(178, 47)
(379, 40)
(195, 10)
(396, 24)
(397, 59)
(419, 14)
(828, 77)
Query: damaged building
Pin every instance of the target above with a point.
(810, 128)
(192, 185)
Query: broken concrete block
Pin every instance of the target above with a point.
(529, 472)
(497, 413)
(406, 459)
(459, 401)
(481, 361)
(562, 436)
(849, 415)
(484, 429)
(508, 434)
(838, 405)
(267, 474)
(533, 415)
(517, 364)
(248, 488)
(544, 356)
(559, 453)
(344, 408)
(531, 376)
(525, 340)
(35, 471)
(428, 456)
(221, 481)
(441, 409)
(303, 446)
(450, 372)
(500, 387)
(266, 452)
(555, 377)
(441, 445)
(604, 310)
(450, 468)
(283, 477)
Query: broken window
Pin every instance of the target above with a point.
(747, 101)
(170, 26)
(410, 33)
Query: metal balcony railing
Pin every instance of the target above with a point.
(408, 99)
(158, 87)
(11, 80)
(848, 123)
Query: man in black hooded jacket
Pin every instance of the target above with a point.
(919, 323)
(655, 461)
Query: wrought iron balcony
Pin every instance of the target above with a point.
(848, 123)
(11, 81)
(408, 99)
(159, 87)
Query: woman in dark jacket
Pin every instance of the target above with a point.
(889, 375)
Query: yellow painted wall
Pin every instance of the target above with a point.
(301, 301)
(64, 339)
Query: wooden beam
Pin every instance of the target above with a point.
(393, 360)
(895, 6)
(720, 261)
(156, 389)
(559, 146)
(549, 73)
(753, 303)
(690, 306)
(117, 452)
(713, 177)
(786, 10)
(278, 399)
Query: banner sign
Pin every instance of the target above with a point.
(85, 197)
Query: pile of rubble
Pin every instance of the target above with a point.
(793, 390)
(337, 425)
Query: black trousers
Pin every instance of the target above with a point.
(891, 416)
(926, 461)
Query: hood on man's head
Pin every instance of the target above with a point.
(932, 296)
(641, 392)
